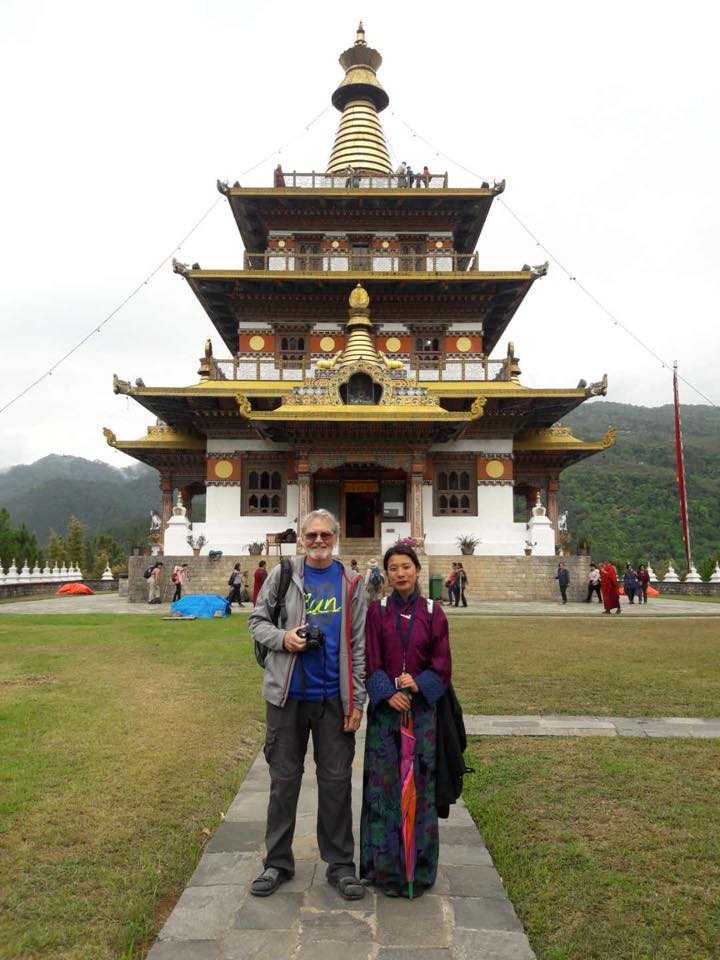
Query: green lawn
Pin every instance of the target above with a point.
(603, 666)
(123, 739)
(609, 849)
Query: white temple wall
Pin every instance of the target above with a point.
(226, 529)
(499, 535)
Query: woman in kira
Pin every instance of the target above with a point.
(408, 669)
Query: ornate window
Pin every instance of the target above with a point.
(292, 348)
(412, 258)
(309, 257)
(455, 490)
(264, 491)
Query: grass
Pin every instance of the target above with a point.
(122, 740)
(610, 849)
(603, 667)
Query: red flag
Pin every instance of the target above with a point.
(680, 468)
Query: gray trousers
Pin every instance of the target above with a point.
(286, 741)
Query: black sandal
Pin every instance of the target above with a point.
(347, 884)
(268, 881)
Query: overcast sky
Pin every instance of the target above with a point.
(119, 117)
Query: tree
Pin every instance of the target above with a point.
(55, 550)
(75, 541)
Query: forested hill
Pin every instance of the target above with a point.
(625, 500)
(45, 494)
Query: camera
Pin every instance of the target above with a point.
(314, 637)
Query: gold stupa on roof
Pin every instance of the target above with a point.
(360, 141)
(359, 345)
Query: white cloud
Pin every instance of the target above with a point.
(120, 118)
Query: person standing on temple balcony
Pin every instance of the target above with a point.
(401, 174)
(593, 583)
(423, 178)
(312, 622)
(410, 176)
(235, 582)
(278, 177)
(563, 578)
(258, 580)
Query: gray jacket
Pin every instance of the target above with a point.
(280, 664)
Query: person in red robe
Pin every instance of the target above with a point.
(259, 578)
(609, 588)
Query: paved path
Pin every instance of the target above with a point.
(467, 916)
(112, 603)
(696, 728)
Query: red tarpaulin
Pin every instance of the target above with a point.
(73, 590)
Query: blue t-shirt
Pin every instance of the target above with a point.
(323, 609)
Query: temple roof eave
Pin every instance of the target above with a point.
(257, 210)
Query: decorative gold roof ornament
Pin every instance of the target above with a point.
(360, 141)
(359, 346)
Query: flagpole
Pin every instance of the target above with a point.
(680, 471)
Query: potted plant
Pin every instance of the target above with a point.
(467, 544)
(255, 548)
(196, 543)
(415, 543)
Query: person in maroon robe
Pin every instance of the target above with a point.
(259, 578)
(409, 668)
(609, 588)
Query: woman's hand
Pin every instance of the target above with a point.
(399, 701)
(406, 682)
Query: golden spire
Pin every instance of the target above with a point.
(359, 344)
(360, 141)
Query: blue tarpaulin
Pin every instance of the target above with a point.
(203, 606)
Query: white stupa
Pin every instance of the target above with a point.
(715, 578)
(651, 574)
(693, 576)
(671, 576)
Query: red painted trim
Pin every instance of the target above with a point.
(350, 593)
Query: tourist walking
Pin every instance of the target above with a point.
(408, 671)
(451, 583)
(374, 581)
(236, 585)
(563, 578)
(354, 567)
(630, 583)
(461, 582)
(593, 584)
(258, 580)
(609, 587)
(153, 576)
(313, 683)
(643, 583)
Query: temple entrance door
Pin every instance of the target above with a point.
(360, 516)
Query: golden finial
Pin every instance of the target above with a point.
(359, 299)
(360, 141)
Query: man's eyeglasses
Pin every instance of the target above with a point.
(323, 535)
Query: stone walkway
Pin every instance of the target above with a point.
(112, 603)
(696, 728)
(467, 916)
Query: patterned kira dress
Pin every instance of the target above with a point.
(401, 637)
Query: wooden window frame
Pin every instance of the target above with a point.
(252, 487)
(443, 490)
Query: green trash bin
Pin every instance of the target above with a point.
(436, 586)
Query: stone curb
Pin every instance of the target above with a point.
(697, 728)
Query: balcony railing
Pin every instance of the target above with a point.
(348, 181)
(331, 262)
(449, 370)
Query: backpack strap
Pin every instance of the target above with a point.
(383, 601)
(286, 572)
(430, 605)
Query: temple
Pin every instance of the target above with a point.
(360, 329)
